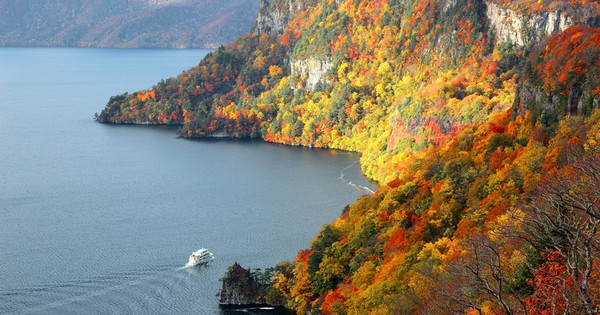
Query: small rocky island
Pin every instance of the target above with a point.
(253, 290)
(242, 287)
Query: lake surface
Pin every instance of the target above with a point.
(100, 218)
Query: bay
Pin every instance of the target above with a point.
(100, 218)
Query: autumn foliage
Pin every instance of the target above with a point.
(480, 149)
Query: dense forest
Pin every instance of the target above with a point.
(480, 120)
(124, 23)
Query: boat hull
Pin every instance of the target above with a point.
(200, 257)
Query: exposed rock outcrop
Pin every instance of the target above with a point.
(313, 70)
(240, 288)
(576, 100)
(519, 29)
(275, 15)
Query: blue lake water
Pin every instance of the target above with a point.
(100, 218)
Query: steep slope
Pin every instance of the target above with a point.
(479, 117)
(125, 24)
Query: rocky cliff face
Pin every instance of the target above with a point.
(275, 15)
(311, 70)
(521, 29)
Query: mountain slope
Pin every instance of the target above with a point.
(125, 24)
(480, 119)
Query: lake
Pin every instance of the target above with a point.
(99, 218)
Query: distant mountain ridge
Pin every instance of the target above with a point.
(125, 23)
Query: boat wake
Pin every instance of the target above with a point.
(135, 291)
(189, 265)
(186, 266)
(353, 185)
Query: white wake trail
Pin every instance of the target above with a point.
(349, 183)
(159, 275)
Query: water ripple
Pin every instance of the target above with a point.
(134, 291)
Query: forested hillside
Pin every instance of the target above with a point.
(125, 24)
(479, 118)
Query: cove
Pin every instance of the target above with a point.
(101, 218)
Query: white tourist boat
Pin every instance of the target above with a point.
(200, 256)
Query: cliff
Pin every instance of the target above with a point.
(521, 29)
(311, 71)
(473, 115)
(275, 15)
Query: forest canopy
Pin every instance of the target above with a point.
(480, 120)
